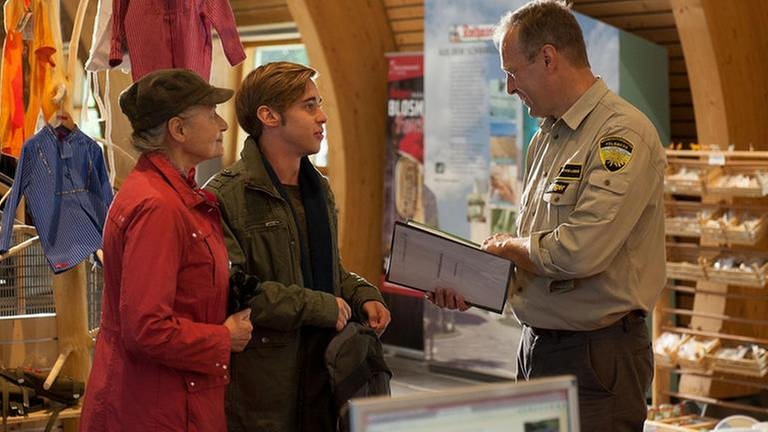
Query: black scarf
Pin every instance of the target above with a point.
(317, 271)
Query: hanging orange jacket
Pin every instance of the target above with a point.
(46, 66)
(12, 81)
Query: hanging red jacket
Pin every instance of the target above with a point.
(161, 34)
(162, 354)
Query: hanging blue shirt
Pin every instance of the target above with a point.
(67, 192)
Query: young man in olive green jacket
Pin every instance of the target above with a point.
(280, 226)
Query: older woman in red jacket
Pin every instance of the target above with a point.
(162, 355)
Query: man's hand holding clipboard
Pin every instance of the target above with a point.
(453, 272)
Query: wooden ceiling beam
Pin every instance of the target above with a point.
(659, 36)
(400, 3)
(661, 20)
(262, 16)
(626, 7)
(728, 76)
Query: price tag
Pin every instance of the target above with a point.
(717, 159)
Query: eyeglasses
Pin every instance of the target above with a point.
(513, 72)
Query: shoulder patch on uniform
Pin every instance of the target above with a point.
(615, 152)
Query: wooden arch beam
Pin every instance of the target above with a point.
(346, 42)
(724, 46)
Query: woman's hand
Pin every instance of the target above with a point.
(240, 328)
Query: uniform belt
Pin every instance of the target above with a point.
(631, 317)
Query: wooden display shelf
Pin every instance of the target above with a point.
(42, 416)
(688, 312)
(694, 290)
(719, 402)
(731, 337)
(712, 303)
(760, 383)
(708, 157)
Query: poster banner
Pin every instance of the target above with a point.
(405, 196)
(474, 131)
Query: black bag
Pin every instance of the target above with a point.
(355, 362)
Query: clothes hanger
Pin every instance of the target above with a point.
(61, 118)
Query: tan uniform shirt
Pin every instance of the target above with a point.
(593, 210)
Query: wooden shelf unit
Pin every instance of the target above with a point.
(700, 306)
(42, 416)
(36, 340)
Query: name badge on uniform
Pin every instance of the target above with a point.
(569, 172)
(557, 187)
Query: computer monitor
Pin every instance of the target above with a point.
(541, 405)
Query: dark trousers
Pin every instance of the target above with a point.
(613, 365)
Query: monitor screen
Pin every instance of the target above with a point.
(543, 405)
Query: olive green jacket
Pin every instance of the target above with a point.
(262, 239)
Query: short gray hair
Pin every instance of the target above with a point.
(543, 22)
(150, 140)
(153, 139)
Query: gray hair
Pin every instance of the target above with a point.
(543, 22)
(150, 140)
(153, 139)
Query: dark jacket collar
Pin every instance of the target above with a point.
(256, 175)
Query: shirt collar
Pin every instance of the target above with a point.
(585, 104)
(179, 183)
(64, 139)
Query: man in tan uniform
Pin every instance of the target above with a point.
(589, 249)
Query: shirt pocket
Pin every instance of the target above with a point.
(205, 394)
(265, 338)
(196, 280)
(270, 247)
(561, 198)
(606, 191)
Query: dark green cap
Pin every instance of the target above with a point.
(164, 93)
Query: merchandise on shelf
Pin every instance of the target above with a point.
(734, 227)
(716, 277)
(747, 360)
(684, 223)
(665, 348)
(743, 184)
(739, 270)
(691, 270)
(692, 354)
(676, 418)
(687, 180)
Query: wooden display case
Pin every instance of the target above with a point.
(724, 303)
